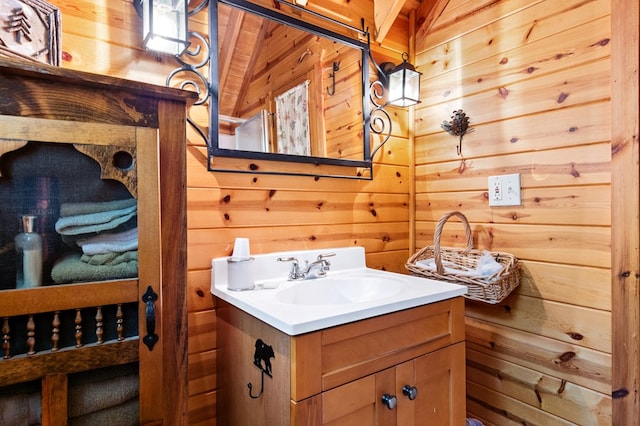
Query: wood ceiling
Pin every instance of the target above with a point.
(386, 12)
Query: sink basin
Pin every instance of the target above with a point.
(350, 292)
(340, 290)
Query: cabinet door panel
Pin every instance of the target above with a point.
(440, 381)
(151, 378)
(386, 384)
(350, 404)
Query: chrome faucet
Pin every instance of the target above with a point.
(315, 269)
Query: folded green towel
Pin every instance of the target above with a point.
(71, 269)
(74, 209)
(110, 259)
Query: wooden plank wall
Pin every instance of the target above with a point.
(275, 212)
(283, 213)
(625, 194)
(534, 76)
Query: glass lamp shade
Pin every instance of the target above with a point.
(165, 25)
(403, 85)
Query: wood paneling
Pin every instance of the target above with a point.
(625, 237)
(557, 396)
(284, 212)
(581, 366)
(535, 79)
(275, 212)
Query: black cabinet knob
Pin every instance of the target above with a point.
(410, 392)
(390, 401)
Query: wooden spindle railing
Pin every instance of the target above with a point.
(32, 324)
(78, 322)
(6, 338)
(99, 330)
(55, 332)
(31, 336)
(120, 322)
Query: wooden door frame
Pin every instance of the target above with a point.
(625, 209)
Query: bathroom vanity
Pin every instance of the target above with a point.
(375, 358)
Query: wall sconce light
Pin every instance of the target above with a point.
(402, 83)
(164, 25)
(402, 86)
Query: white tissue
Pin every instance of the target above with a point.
(487, 265)
(241, 249)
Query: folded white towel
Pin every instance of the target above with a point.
(486, 267)
(107, 243)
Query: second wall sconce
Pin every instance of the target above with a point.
(402, 82)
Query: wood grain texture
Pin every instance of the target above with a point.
(581, 366)
(54, 401)
(336, 375)
(556, 396)
(376, 238)
(535, 79)
(173, 231)
(25, 368)
(238, 333)
(625, 237)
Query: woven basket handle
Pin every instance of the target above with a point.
(438, 233)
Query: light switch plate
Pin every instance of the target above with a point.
(504, 190)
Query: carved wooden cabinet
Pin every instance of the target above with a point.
(403, 368)
(100, 139)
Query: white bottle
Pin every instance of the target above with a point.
(29, 258)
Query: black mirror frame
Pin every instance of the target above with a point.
(355, 167)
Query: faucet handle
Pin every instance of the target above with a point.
(294, 273)
(323, 256)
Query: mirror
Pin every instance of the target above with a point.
(288, 91)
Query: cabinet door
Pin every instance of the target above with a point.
(438, 383)
(162, 367)
(353, 404)
(360, 403)
(162, 266)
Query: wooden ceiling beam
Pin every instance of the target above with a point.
(385, 13)
(427, 14)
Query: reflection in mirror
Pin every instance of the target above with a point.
(287, 90)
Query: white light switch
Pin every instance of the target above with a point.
(504, 190)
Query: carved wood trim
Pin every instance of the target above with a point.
(30, 29)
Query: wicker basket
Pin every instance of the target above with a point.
(462, 262)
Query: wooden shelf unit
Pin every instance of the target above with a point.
(103, 117)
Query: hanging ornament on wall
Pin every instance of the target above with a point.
(458, 126)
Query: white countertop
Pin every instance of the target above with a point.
(293, 319)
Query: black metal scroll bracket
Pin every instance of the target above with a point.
(148, 298)
(261, 359)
